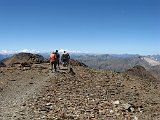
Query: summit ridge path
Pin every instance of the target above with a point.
(17, 86)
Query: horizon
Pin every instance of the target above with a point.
(7, 52)
(82, 26)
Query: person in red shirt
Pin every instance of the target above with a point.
(53, 61)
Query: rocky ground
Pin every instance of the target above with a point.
(87, 94)
(17, 85)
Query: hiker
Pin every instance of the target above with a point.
(57, 58)
(53, 61)
(65, 58)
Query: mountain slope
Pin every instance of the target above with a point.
(141, 72)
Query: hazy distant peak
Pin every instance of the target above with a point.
(30, 51)
(7, 52)
(14, 52)
(70, 51)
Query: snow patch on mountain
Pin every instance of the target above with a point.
(151, 61)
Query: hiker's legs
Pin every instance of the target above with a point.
(58, 63)
(67, 62)
(51, 65)
(64, 62)
(55, 65)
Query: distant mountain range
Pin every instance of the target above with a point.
(3, 56)
(89, 59)
(118, 62)
(121, 63)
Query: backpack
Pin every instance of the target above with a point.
(52, 57)
(65, 56)
(57, 55)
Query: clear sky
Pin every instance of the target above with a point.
(97, 26)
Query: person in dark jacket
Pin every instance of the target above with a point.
(57, 58)
(65, 58)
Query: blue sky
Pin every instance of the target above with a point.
(97, 26)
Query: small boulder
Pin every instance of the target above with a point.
(2, 64)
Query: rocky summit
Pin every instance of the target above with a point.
(89, 94)
(140, 71)
(26, 58)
